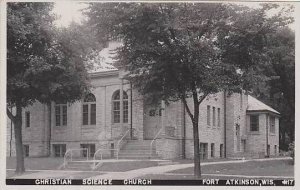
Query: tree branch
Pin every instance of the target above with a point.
(10, 115)
(195, 94)
(187, 108)
(202, 98)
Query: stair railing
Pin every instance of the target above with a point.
(119, 142)
(99, 151)
(154, 139)
(70, 152)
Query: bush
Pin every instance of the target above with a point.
(292, 150)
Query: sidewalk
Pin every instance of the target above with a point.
(168, 168)
(121, 175)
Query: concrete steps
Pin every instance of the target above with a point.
(135, 149)
(79, 165)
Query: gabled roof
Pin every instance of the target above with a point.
(104, 60)
(256, 105)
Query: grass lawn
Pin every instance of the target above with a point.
(54, 163)
(126, 166)
(44, 163)
(191, 177)
(251, 168)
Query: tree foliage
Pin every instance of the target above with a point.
(188, 50)
(44, 63)
(279, 88)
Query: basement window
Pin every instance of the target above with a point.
(59, 150)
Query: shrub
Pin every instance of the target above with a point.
(292, 150)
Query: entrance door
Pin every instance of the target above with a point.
(152, 122)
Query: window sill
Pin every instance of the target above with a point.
(254, 133)
(60, 127)
(272, 134)
(119, 124)
(88, 126)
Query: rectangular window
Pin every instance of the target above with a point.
(93, 114)
(254, 123)
(27, 119)
(85, 114)
(208, 115)
(61, 115)
(116, 112)
(59, 150)
(221, 150)
(26, 150)
(203, 151)
(219, 117)
(275, 150)
(88, 148)
(64, 115)
(212, 150)
(125, 112)
(272, 124)
(57, 115)
(214, 116)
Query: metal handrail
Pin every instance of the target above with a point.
(118, 145)
(70, 151)
(101, 149)
(155, 137)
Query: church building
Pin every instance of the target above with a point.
(115, 117)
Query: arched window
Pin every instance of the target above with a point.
(89, 110)
(116, 114)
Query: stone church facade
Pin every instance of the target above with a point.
(236, 125)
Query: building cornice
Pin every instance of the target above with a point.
(104, 73)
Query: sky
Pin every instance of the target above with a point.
(69, 11)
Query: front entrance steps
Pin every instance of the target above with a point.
(83, 165)
(138, 149)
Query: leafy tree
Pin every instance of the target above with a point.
(279, 89)
(186, 51)
(43, 64)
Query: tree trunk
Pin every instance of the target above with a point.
(195, 120)
(48, 138)
(197, 168)
(18, 140)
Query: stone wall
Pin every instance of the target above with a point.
(236, 106)
(207, 133)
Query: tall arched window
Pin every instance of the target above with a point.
(117, 108)
(89, 110)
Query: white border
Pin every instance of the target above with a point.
(3, 116)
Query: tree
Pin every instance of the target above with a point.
(279, 89)
(186, 51)
(42, 64)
